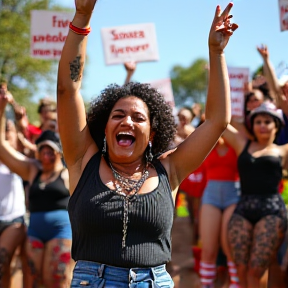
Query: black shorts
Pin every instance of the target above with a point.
(255, 207)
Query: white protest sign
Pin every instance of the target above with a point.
(237, 77)
(165, 88)
(130, 43)
(283, 11)
(48, 33)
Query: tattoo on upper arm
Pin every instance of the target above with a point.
(76, 69)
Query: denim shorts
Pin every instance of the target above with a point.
(221, 194)
(5, 224)
(96, 275)
(49, 225)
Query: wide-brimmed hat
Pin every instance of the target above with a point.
(283, 80)
(49, 138)
(267, 108)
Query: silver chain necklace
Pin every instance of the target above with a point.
(131, 187)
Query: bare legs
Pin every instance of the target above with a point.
(10, 239)
(50, 264)
(253, 247)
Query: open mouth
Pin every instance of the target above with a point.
(125, 139)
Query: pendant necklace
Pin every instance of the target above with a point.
(128, 188)
(43, 184)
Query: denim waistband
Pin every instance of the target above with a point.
(119, 273)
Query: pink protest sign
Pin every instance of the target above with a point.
(237, 77)
(48, 33)
(283, 10)
(165, 88)
(130, 43)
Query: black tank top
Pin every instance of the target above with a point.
(96, 218)
(54, 196)
(259, 176)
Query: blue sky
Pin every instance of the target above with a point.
(182, 28)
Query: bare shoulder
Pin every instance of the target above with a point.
(65, 177)
(166, 154)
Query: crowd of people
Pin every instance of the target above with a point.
(88, 198)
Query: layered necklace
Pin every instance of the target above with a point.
(128, 188)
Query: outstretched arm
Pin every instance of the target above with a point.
(14, 160)
(73, 129)
(190, 153)
(275, 89)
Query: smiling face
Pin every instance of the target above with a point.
(264, 126)
(47, 156)
(128, 130)
(255, 100)
(185, 117)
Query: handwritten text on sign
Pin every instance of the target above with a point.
(283, 10)
(48, 32)
(237, 77)
(130, 43)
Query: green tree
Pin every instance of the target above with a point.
(17, 68)
(190, 83)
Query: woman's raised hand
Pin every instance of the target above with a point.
(5, 97)
(221, 29)
(263, 50)
(85, 7)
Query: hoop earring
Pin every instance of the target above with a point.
(104, 149)
(149, 155)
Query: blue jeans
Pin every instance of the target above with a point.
(96, 275)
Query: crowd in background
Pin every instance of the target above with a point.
(241, 228)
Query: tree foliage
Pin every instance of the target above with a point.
(190, 83)
(17, 68)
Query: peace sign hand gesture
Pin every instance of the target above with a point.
(263, 50)
(221, 29)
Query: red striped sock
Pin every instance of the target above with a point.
(207, 274)
(234, 280)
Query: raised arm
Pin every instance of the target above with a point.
(275, 89)
(236, 139)
(75, 136)
(130, 68)
(190, 153)
(14, 160)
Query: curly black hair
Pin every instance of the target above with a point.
(161, 118)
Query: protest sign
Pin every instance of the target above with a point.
(237, 77)
(283, 11)
(130, 43)
(48, 33)
(165, 88)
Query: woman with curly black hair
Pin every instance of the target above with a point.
(161, 119)
(122, 196)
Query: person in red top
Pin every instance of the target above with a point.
(193, 186)
(219, 199)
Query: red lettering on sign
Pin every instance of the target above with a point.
(127, 35)
(41, 52)
(60, 23)
(236, 76)
(128, 49)
(49, 38)
(236, 89)
(57, 52)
